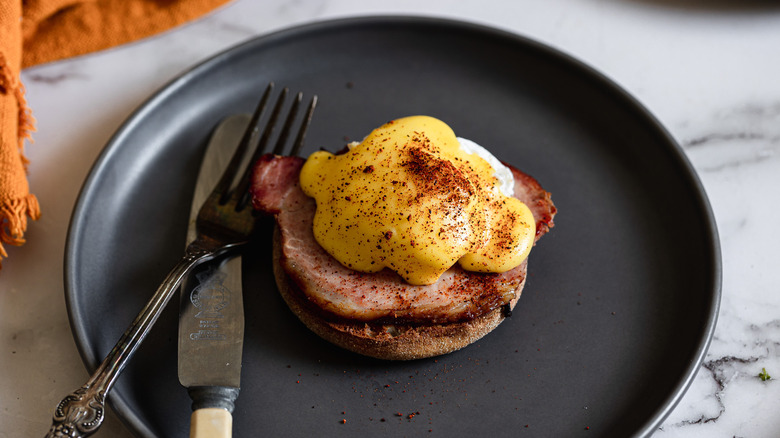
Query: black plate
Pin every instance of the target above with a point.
(622, 295)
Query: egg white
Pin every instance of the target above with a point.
(506, 182)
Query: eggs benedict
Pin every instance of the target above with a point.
(409, 244)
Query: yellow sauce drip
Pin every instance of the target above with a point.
(410, 199)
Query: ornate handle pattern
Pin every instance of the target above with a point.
(81, 412)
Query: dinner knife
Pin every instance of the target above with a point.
(211, 314)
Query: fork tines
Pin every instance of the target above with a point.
(288, 124)
(250, 133)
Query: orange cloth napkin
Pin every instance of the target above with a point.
(37, 31)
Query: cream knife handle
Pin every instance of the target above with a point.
(211, 423)
(212, 408)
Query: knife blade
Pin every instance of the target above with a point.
(211, 313)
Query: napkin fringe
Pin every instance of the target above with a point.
(14, 211)
(13, 214)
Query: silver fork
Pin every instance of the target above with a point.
(225, 222)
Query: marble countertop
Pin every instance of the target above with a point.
(707, 69)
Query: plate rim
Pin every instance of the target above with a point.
(136, 117)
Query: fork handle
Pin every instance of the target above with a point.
(81, 413)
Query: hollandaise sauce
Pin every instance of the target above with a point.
(411, 199)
